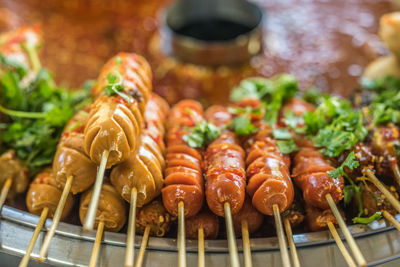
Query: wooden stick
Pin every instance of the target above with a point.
(4, 191)
(56, 220)
(233, 251)
(181, 235)
(96, 246)
(246, 244)
(143, 246)
(292, 246)
(395, 203)
(200, 240)
(94, 201)
(281, 236)
(396, 172)
(43, 216)
(391, 219)
(341, 246)
(350, 240)
(130, 237)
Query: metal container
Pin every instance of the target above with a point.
(227, 52)
(72, 247)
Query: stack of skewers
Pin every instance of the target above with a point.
(268, 155)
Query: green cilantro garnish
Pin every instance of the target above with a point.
(350, 162)
(272, 92)
(242, 125)
(313, 95)
(364, 220)
(115, 86)
(245, 111)
(292, 121)
(284, 141)
(201, 134)
(281, 134)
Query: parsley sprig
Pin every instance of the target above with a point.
(201, 134)
(242, 124)
(284, 141)
(350, 162)
(364, 220)
(115, 86)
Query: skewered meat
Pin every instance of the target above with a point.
(383, 145)
(154, 215)
(115, 122)
(111, 209)
(310, 173)
(298, 107)
(43, 192)
(225, 167)
(144, 168)
(373, 200)
(295, 214)
(317, 219)
(70, 158)
(12, 167)
(205, 219)
(248, 213)
(183, 175)
(363, 155)
(268, 174)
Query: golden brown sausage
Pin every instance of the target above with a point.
(12, 167)
(111, 210)
(43, 192)
(250, 214)
(115, 122)
(317, 219)
(205, 219)
(155, 216)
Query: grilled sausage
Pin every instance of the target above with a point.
(43, 192)
(70, 158)
(268, 174)
(183, 174)
(112, 209)
(363, 155)
(114, 122)
(310, 173)
(12, 167)
(317, 219)
(154, 215)
(383, 144)
(144, 168)
(295, 214)
(205, 219)
(373, 200)
(248, 213)
(225, 167)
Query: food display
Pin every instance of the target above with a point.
(275, 160)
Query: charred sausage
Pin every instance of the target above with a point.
(111, 210)
(250, 214)
(43, 192)
(317, 219)
(155, 216)
(183, 174)
(114, 122)
(225, 167)
(268, 173)
(205, 219)
(12, 167)
(310, 173)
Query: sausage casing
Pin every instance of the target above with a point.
(205, 219)
(249, 214)
(12, 167)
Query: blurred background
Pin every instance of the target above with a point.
(325, 43)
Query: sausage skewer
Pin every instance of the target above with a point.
(43, 195)
(114, 123)
(4, 191)
(292, 245)
(183, 194)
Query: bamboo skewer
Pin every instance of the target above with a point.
(233, 251)
(281, 237)
(181, 235)
(143, 245)
(396, 172)
(43, 216)
(391, 219)
(94, 201)
(246, 244)
(350, 240)
(130, 237)
(4, 191)
(341, 246)
(395, 203)
(200, 240)
(292, 246)
(56, 219)
(96, 246)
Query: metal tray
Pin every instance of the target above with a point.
(72, 247)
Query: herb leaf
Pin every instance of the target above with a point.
(201, 134)
(364, 220)
(242, 125)
(115, 86)
(286, 146)
(350, 162)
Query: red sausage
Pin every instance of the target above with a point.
(310, 173)
(225, 167)
(205, 219)
(248, 213)
(183, 174)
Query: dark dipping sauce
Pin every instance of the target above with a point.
(213, 29)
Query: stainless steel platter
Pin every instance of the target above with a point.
(72, 247)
